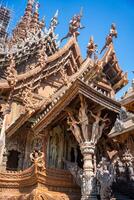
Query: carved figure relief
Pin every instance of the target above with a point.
(109, 39)
(92, 49)
(74, 127)
(96, 127)
(37, 157)
(83, 117)
(55, 148)
(11, 72)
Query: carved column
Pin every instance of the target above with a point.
(88, 189)
(87, 140)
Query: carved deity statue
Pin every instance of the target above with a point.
(109, 38)
(37, 157)
(74, 25)
(11, 72)
(83, 117)
(74, 127)
(91, 48)
(96, 127)
(53, 152)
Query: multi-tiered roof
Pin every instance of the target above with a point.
(31, 60)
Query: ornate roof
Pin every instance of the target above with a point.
(32, 60)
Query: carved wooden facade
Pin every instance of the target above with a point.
(57, 113)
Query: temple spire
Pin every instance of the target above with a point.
(29, 10)
(35, 18)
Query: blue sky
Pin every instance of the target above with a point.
(97, 18)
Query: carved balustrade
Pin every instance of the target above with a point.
(37, 176)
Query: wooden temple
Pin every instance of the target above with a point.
(63, 134)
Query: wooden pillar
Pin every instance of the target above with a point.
(88, 189)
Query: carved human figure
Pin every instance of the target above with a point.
(74, 25)
(74, 127)
(34, 155)
(53, 151)
(109, 38)
(37, 157)
(11, 72)
(91, 48)
(83, 117)
(96, 128)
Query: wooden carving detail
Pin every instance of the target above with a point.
(11, 72)
(80, 127)
(42, 56)
(92, 49)
(87, 135)
(96, 128)
(26, 95)
(37, 157)
(109, 38)
(74, 26)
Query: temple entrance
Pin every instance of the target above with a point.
(12, 160)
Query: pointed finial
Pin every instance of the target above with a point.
(56, 14)
(91, 39)
(54, 21)
(37, 5)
